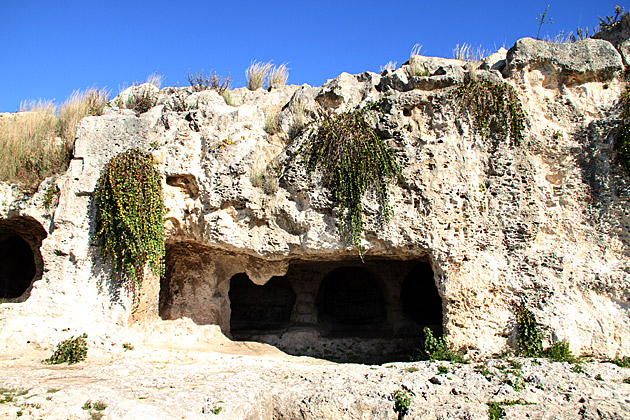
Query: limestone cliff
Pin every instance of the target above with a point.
(491, 222)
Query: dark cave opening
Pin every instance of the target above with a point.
(420, 299)
(20, 260)
(17, 267)
(343, 311)
(266, 307)
(350, 297)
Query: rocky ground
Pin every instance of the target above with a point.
(254, 381)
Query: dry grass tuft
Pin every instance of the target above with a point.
(466, 52)
(278, 76)
(390, 65)
(256, 74)
(78, 105)
(272, 125)
(415, 67)
(155, 80)
(37, 142)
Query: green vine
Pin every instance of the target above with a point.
(352, 159)
(493, 106)
(529, 337)
(622, 141)
(130, 213)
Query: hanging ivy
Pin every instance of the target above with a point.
(352, 159)
(622, 140)
(493, 106)
(130, 214)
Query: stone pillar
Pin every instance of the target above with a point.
(146, 303)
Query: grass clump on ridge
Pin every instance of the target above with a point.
(37, 142)
(415, 67)
(278, 76)
(256, 74)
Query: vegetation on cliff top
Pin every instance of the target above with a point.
(38, 141)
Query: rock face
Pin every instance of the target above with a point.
(480, 223)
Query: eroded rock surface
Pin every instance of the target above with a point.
(543, 222)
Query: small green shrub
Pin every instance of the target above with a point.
(442, 369)
(127, 346)
(141, 100)
(529, 337)
(611, 21)
(199, 82)
(435, 348)
(623, 362)
(99, 405)
(227, 97)
(598, 377)
(493, 105)
(96, 415)
(50, 195)
(402, 402)
(130, 214)
(577, 368)
(495, 410)
(559, 352)
(352, 159)
(72, 350)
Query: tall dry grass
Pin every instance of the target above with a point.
(37, 141)
(466, 52)
(415, 66)
(390, 65)
(256, 74)
(278, 76)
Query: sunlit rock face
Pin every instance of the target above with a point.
(480, 223)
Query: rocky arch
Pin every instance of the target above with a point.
(21, 262)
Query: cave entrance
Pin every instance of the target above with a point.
(350, 299)
(344, 311)
(420, 299)
(260, 308)
(20, 259)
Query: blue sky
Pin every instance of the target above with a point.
(50, 48)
